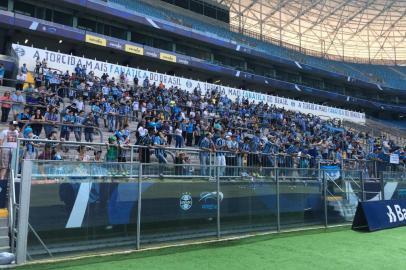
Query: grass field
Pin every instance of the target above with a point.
(319, 249)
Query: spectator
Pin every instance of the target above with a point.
(37, 122)
(51, 118)
(8, 142)
(89, 124)
(178, 137)
(77, 129)
(18, 103)
(5, 106)
(23, 117)
(21, 78)
(68, 119)
(2, 72)
(220, 154)
(145, 142)
(206, 146)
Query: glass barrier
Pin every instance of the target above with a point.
(248, 200)
(78, 206)
(82, 206)
(178, 202)
(300, 198)
(394, 185)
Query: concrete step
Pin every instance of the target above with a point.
(5, 249)
(4, 231)
(3, 222)
(4, 241)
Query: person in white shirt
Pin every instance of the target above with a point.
(136, 108)
(80, 105)
(8, 142)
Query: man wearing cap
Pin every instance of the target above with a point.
(8, 142)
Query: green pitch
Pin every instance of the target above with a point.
(312, 250)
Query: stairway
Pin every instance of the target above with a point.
(4, 235)
(344, 208)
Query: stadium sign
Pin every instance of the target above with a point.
(378, 215)
(65, 62)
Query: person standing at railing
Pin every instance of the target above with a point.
(220, 154)
(21, 77)
(69, 118)
(37, 121)
(51, 117)
(189, 132)
(5, 106)
(206, 146)
(159, 142)
(8, 142)
(231, 155)
(2, 72)
(89, 124)
(253, 159)
(18, 103)
(178, 137)
(145, 142)
(23, 117)
(77, 129)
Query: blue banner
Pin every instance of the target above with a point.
(378, 215)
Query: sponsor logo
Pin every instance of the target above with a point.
(151, 54)
(19, 51)
(167, 57)
(209, 199)
(189, 84)
(183, 61)
(134, 49)
(398, 215)
(96, 40)
(185, 201)
(115, 44)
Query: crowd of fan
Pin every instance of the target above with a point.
(236, 132)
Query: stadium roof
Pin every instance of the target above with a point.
(373, 30)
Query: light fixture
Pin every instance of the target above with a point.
(217, 81)
(26, 41)
(60, 41)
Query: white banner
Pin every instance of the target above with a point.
(65, 62)
(394, 159)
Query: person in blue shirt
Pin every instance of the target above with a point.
(23, 117)
(267, 157)
(96, 110)
(189, 133)
(206, 146)
(159, 144)
(2, 73)
(253, 159)
(220, 145)
(123, 112)
(77, 129)
(69, 118)
(24, 69)
(78, 70)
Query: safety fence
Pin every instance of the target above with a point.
(75, 206)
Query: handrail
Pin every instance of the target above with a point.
(11, 210)
(60, 125)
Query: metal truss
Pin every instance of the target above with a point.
(362, 30)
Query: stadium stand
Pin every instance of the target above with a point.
(98, 161)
